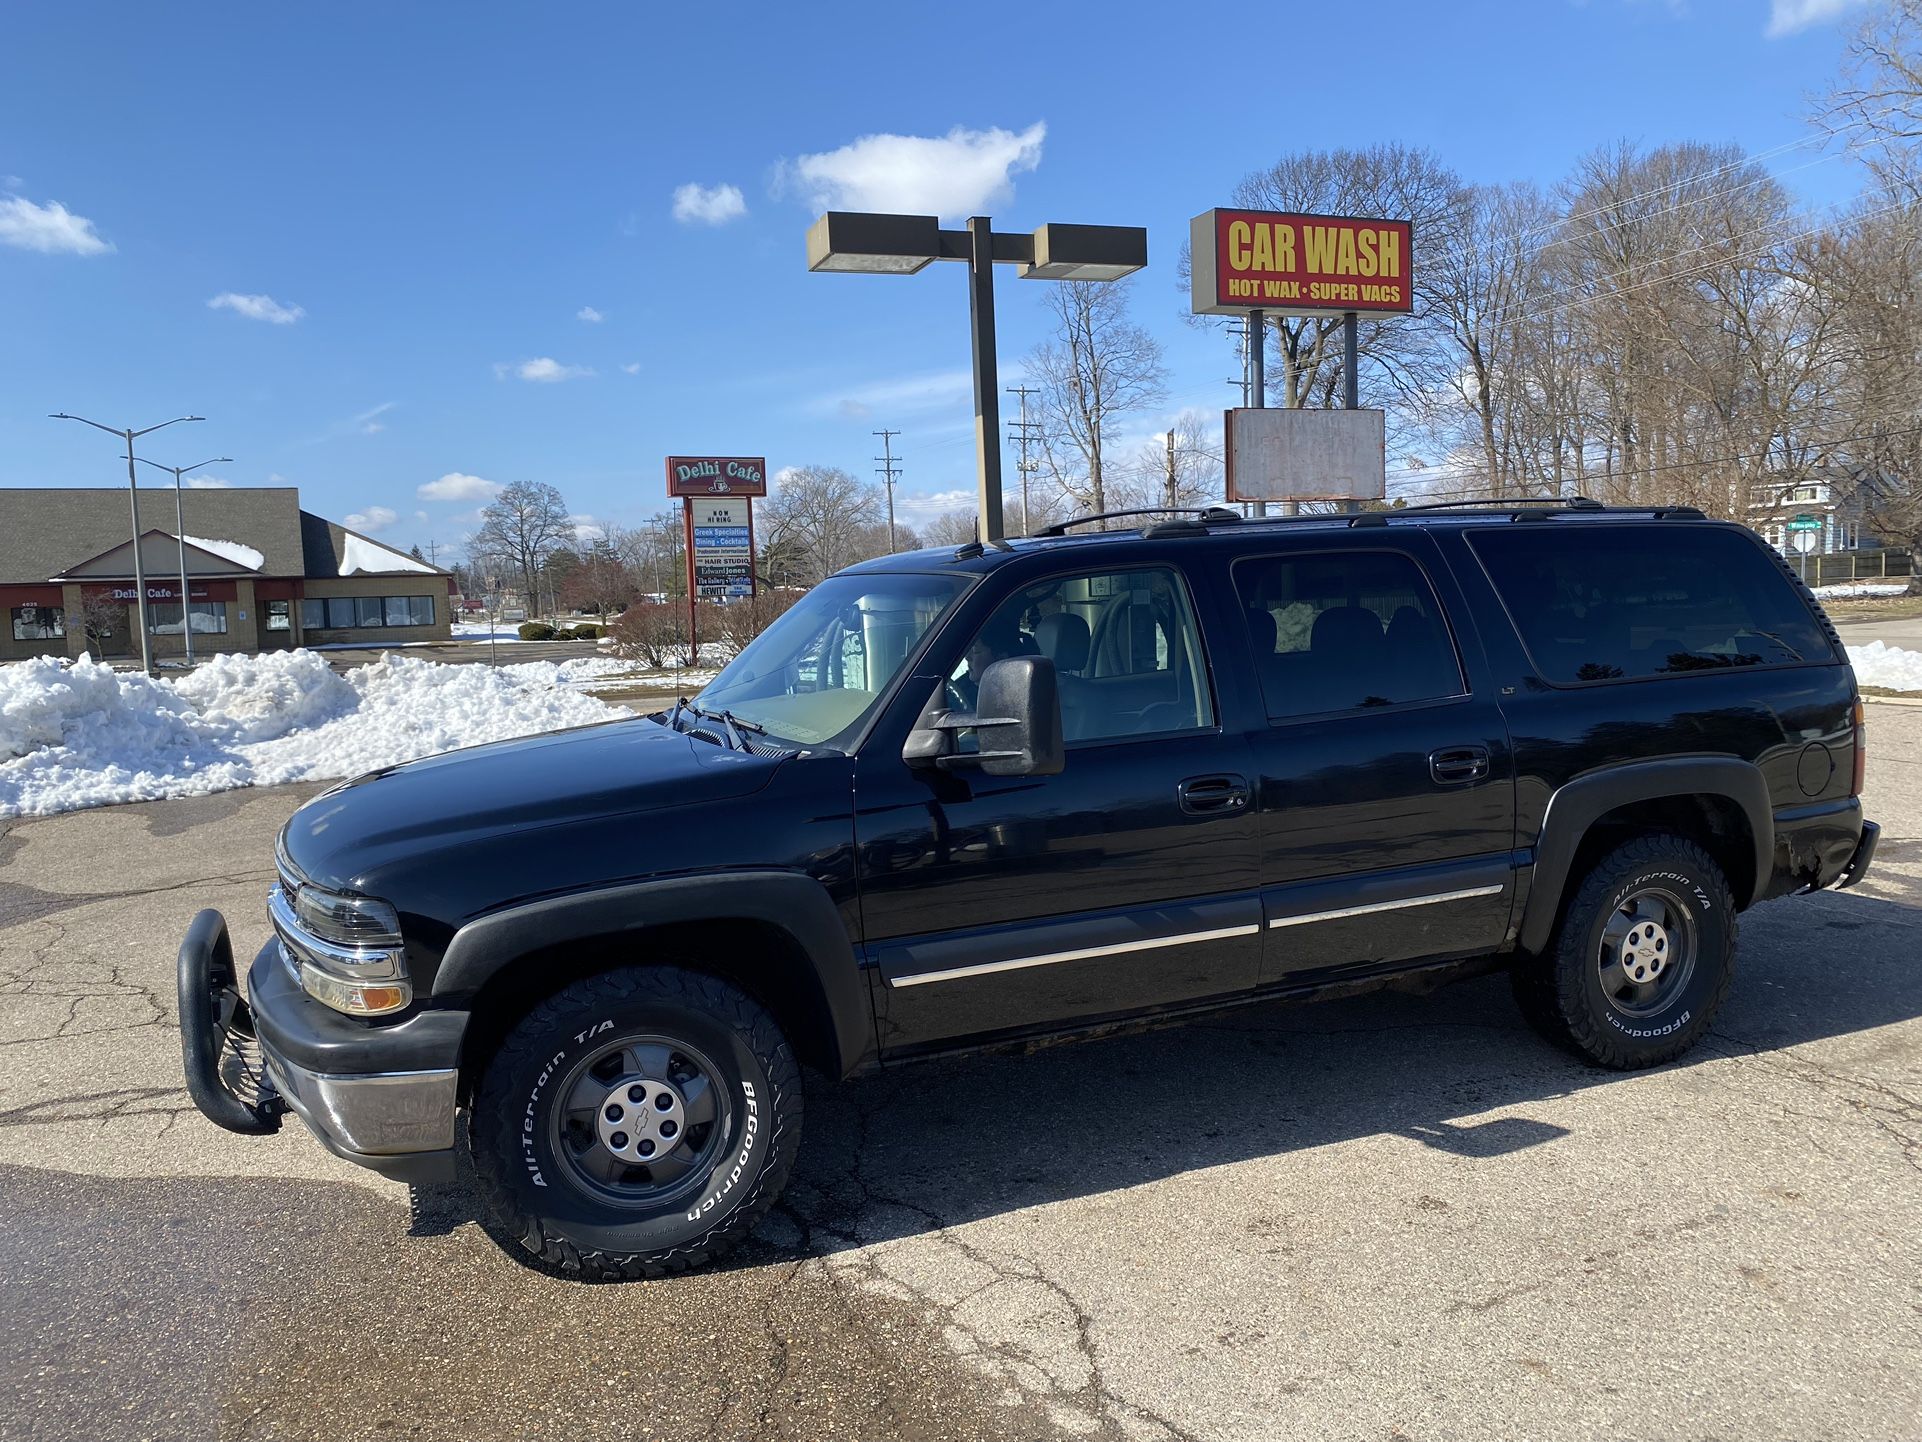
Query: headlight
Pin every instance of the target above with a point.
(345, 950)
(347, 920)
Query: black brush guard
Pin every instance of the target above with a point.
(219, 1051)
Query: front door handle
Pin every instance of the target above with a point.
(1213, 795)
(1452, 765)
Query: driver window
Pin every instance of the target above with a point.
(1126, 652)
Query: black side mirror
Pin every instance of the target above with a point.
(1016, 719)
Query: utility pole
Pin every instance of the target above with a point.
(1023, 434)
(887, 471)
(1173, 496)
(129, 435)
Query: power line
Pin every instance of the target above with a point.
(887, 471)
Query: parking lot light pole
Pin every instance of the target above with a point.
(180, 535)
(133, 507)
(862, 243)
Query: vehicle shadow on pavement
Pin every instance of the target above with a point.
(944, 1143)
(951, 1142)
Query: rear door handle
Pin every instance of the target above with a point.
(1452, 765)
(1213, 795)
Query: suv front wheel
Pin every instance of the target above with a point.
(1643, 957)
(637, 1123)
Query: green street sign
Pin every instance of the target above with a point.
(1805, 523)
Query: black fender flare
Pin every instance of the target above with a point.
(793, 903)
(1578, 804)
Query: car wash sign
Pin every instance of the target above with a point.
(716, 476)
(1246, 260)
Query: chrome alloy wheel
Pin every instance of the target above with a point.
(1647, 952)
(640, 1121)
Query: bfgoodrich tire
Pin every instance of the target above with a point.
(1642, 960)
(637, 1123)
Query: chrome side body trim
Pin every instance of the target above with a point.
(1078, 954)
(1374, 906)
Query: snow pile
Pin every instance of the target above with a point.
(81, 734)
(1840, 590)
(1891, 667)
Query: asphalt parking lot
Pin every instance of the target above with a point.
(1384, 1217)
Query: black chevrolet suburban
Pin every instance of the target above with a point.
(979, 796)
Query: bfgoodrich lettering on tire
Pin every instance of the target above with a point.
(1643, 957)
(637, 1123)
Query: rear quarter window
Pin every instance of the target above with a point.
(1611, 603)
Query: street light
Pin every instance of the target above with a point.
(133, 507)
(180, 535)
(860, 243)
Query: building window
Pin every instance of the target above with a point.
(279, 616)
(208, 618)
(363, 613)
(39, 623)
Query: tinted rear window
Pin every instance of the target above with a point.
(1606, 603)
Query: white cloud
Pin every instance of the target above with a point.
(925, 506)
(457, 486)
(368, 422)
(589, 314)
(708, 204)
(209, 483)
(909, 395)
(633, 368)
(372, 520)
(962, 173)
(50, 228)
(256, 307)
(1786, 17)
(587, 530)
(543, 368)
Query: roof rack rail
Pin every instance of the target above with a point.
(1205, 514)
(1571, 503)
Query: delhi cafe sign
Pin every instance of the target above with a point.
(716, 476)
(1291, 264)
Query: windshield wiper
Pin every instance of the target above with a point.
(731, 725)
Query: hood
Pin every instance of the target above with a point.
(446, 801)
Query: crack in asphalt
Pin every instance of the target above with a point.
(832, 1235)
(1891, 1112)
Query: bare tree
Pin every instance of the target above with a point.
(520, 528)
(1877, 104)
(818, 520)
(953, 528)
(1096, 368)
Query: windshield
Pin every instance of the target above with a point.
(815, 675)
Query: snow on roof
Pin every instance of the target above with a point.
(238, 552)
(359, 554)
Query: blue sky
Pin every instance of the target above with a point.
(415, 212)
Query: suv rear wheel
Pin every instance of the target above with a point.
(637, 1123)
(1643, 958)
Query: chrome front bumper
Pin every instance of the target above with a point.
(371, 1116)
